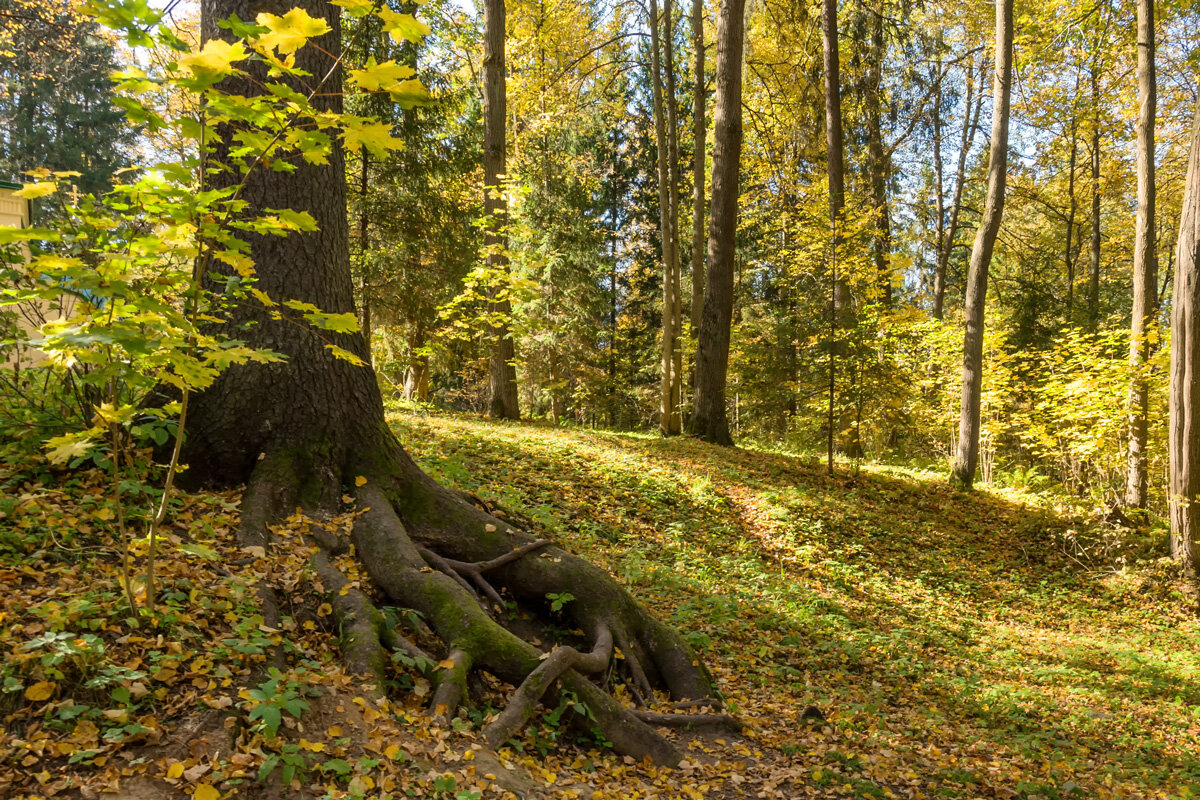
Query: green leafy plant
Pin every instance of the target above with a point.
(266, 703)
(559, 600)
(140, 278)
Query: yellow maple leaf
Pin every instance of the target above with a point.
(175, 771)
(215, 60)
(356, 8)
(206, 792)
(402, 27)
(376, 137)
(61, 449)
(43, 690)
(290, 32)
(32, 191)
(374, 77)
(360, 481)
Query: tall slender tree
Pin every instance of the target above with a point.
(966, 142)
(502, 371)
(1145, 263)
(699, 135)
(1184, 428)
(877, 158)
(709, 420)
(668, 398)
(967, 458)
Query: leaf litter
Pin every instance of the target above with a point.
(879, 634)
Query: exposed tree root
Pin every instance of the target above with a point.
(445, 556)
(363, 631)
(524, 700)
(695, 722)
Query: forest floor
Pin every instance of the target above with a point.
(955, 645)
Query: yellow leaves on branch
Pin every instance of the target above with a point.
(395, 79)
(32, 191)
(215, 60)
(402, 27)
(290, 32)
(375, 136)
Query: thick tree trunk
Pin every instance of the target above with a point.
(1184, 444)
(668, 400)
(981, 254)
(1145, 264)
(502, 371)
(709, 420)
(699, 134)
(311, 430)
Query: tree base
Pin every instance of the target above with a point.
(465, 571)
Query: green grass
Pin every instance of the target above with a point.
(956, 651)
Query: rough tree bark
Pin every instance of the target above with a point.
(304, 432)
(981, 254)
(1145, 264)
(502, 371)
(1184, 431)
(709, 420)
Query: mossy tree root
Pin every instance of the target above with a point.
(408, 524)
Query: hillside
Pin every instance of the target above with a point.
(880, 634)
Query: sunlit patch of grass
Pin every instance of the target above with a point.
(946, 636)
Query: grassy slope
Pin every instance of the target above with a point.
(955, 650)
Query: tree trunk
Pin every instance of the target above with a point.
(840, 299)
(364, 244)
(939, 178)
(981, 254)
(1069, 252)
(699, 134)
(881, 242)
(1093, 308)
(673, 195)
(1145, 264)
(309, 430)
(709, 420)
(967, 141)
(1184, 444)
(667, 231)
(502, 371)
